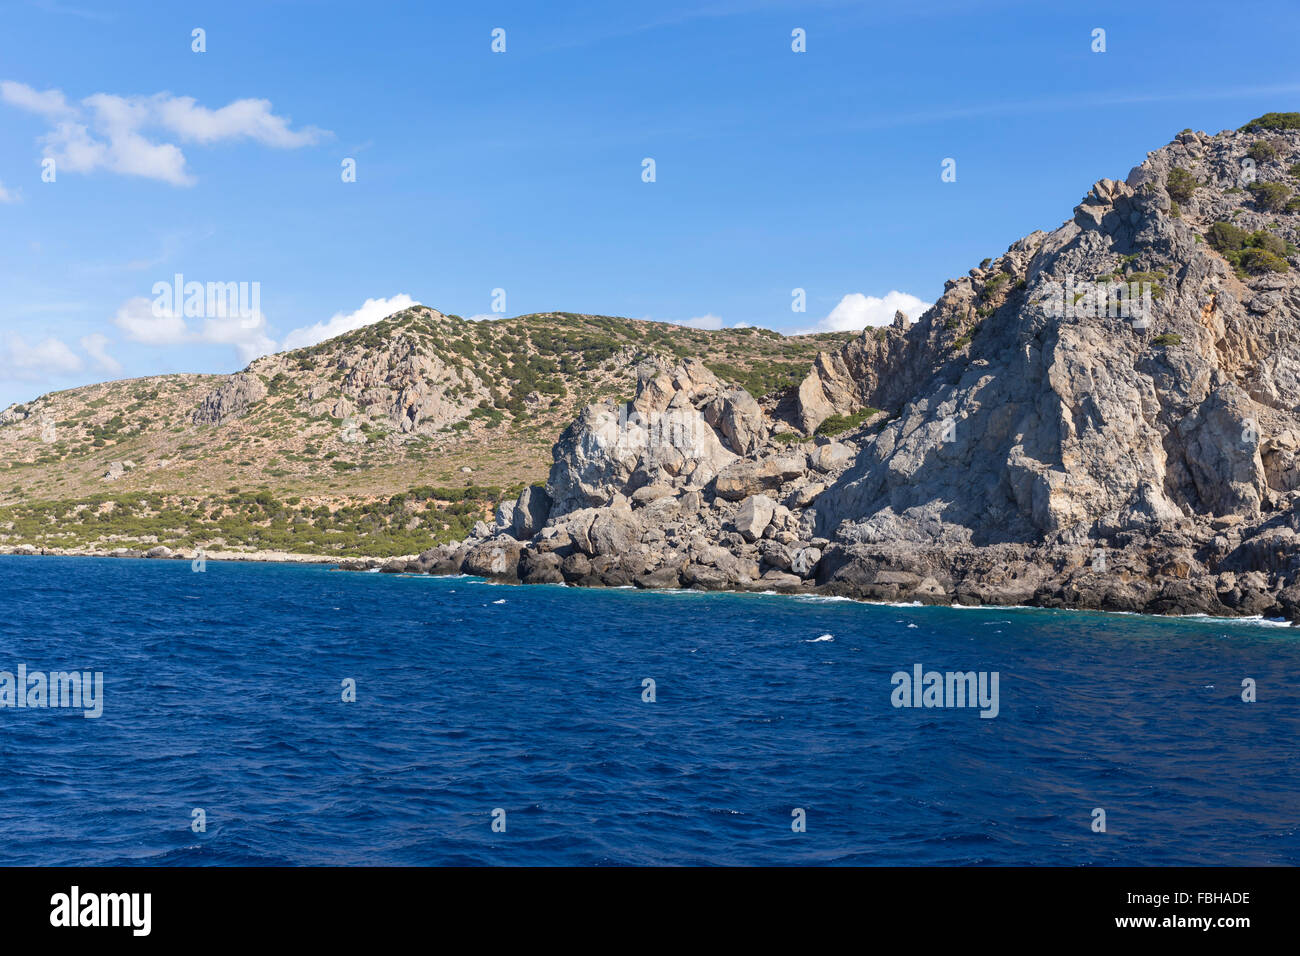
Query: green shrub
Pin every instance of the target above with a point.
(1259, 261)
(1168, 338)
(839, 424)
(1274, 121)
(1152, 279)
(1180, 184)
(761, 378)
(1268, 242)
(1250, 252)
(994, 282)
(1270, 196)
(1261, 151)
(1225, 237)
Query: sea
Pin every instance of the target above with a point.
(279, 714)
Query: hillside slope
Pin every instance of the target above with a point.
(457, 412)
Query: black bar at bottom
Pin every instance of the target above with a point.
(332, 906)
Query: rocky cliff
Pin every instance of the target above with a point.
(1105, 416)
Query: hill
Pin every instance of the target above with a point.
(377, 441)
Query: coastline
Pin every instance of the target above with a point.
(265, 557)
(410, 565)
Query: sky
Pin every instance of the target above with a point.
(344, 160)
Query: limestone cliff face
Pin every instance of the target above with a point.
(1033, 425)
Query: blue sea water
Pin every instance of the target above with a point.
(223, 692)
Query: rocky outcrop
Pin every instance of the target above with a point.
(681, 429)
(1106, 416)
(118, 469)
(404, 386)
(753, 517)
(230, 399)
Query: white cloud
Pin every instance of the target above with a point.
(371, 311)
(137, 318)
(50, 103)
(96, 346)
(246, 334)
(242, 119)
(107, 131)
(46, 357)
(857, 311)
(73, 149)
(706, 321)
(143, 323)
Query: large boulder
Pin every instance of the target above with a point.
(831, 456)
(614, 532)
(118, 469)
(540, 567)
(754, 516)
(530, 512)
(805, 561)
(738, 417)
(497, 558)
(752, 476)
(505, 518)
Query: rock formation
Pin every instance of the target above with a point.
(1105, 416)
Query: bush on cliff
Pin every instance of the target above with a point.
(1250, 252)
(839, 424)
(1180, 185)
(1261, 151)
(1271, 197)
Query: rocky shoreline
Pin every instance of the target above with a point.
(747, 523)
(1012, 577)
(1160, 577)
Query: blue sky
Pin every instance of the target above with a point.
(522, 170)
